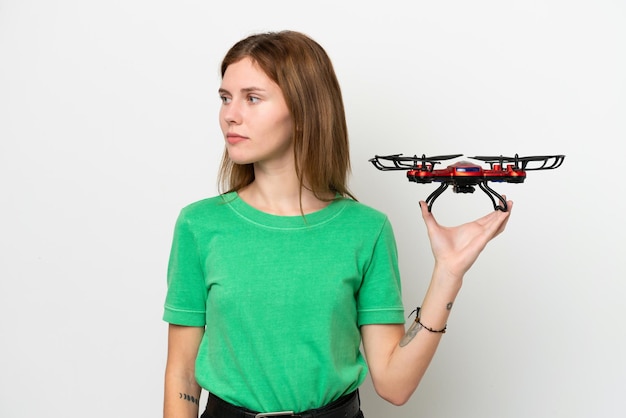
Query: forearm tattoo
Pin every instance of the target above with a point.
(189, 398)
(410, 334)
(415, 328)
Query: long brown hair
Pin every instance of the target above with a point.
(305, 74)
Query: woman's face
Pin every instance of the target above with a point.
(254, 117)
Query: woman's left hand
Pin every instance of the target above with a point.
(457, 248)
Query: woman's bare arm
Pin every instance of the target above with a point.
(397, 358)
(182, 392)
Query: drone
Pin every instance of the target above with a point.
(464, 176)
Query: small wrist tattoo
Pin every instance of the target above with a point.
(449, 306)
(189, 398)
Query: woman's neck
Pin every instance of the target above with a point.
(281, 194)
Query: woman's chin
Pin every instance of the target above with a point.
(239, 159)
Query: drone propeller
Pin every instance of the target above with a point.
(392, 162)
(546, 162)
(437, 158)
(400, 162)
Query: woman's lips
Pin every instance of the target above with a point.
(235, 138)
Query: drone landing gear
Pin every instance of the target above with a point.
(492, 195)
(434, 195)
(500, 204)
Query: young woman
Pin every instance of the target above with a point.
(274, 284)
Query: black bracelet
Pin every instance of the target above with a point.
(417, 321)
(440, 331)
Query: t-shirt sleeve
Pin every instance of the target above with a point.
(185, 302)
(380, 295)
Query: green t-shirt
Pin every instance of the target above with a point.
(282, 298)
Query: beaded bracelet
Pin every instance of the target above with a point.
(417, 321)
(440, 331)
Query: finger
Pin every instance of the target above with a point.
(508, 215)
(502, 219)
(426, 214)
(506, 202)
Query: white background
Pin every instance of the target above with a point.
(108, 126)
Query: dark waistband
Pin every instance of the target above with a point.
(345, 407)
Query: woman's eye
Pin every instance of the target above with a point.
(224, 99)
(253, 99)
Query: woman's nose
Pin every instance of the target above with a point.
(231, 113)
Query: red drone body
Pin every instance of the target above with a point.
(466, 172)
(464, 175)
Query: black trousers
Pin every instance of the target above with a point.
(218, 408)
